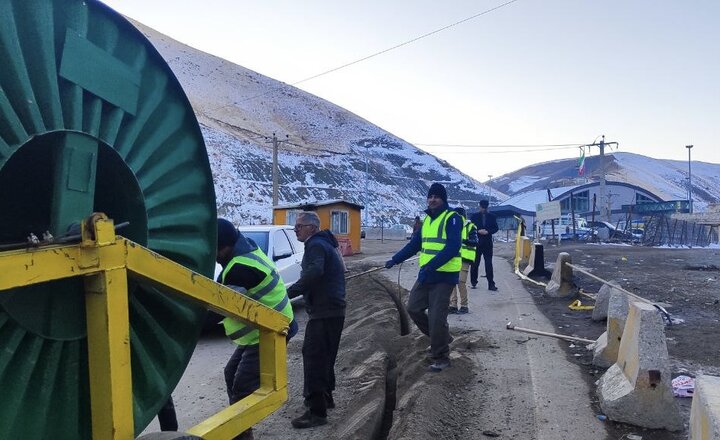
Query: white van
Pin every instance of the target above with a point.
(564, 228)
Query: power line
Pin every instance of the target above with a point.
(579, 144)
(501, 152)
(365, 58)
(404, 43)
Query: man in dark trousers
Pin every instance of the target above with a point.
(247, 269)
(322, 285)
(440, 263)
(486, 226)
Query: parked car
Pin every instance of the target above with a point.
(281, 245)
(608, 231)
(563, 227)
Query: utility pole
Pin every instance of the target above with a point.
(365, 195)
(605, 210)
(275, 171)
(690, 200)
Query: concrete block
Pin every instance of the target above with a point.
(561, 283)
(601, 301)
(637, 388)
(607, 354)
(705, 410)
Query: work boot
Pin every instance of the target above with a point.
(463, 310)
(308, 420)
(452, 310)
(439, 365)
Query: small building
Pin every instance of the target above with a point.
(339, 216)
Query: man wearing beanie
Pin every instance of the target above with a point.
(486, 224)
(247, 269)
(439, 246)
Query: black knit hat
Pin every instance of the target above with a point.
(227, 233)
(438, 190)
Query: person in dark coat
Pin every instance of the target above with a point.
(486, 226)
(322, 285)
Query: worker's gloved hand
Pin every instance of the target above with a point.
(389, 264)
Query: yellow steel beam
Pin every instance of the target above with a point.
(240, 416)
(167, 275)
(108, 338)
(106, 262)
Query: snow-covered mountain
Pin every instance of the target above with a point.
(324, 150)
(667, 179)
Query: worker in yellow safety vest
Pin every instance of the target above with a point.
(467, 254)
(247, 269)
(440, 263)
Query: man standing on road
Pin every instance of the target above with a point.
(322, 285)
(467, 253)
(439, 247)
(247, 269)
(486, 224)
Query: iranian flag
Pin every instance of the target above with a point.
(581, 162)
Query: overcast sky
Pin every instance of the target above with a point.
(645, 73)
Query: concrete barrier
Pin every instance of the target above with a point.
(561, 282)
(600, 311)
(705, 410)
(608, 344)
(637, 389)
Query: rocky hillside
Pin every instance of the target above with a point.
(665, 178)
(324, 150)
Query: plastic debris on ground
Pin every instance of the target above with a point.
(683, 386)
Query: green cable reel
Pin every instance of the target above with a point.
(93, 120)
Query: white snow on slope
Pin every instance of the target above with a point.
(323, 156)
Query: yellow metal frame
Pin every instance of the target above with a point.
(105, 261)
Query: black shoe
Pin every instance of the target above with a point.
(492, 287)
(308, 420)
(463, 310)
(452, 310)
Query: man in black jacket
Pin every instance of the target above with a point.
(322, 285)
(486, 226)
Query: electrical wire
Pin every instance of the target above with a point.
(365, 58)
(501, 152)
(397, 46)
(500, 146)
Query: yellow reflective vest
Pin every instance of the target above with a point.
(434, 239)
(467, 252)
(270, 292)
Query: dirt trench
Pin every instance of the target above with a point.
(385, 389)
